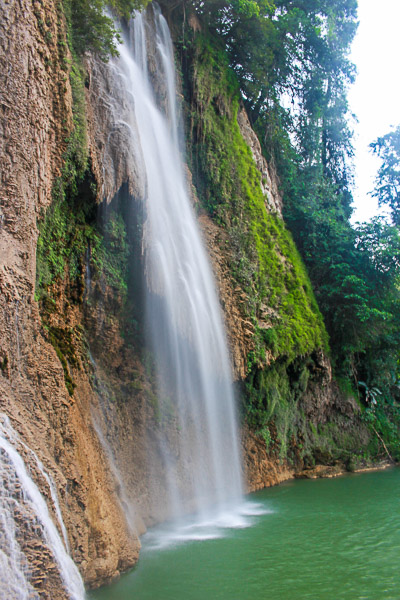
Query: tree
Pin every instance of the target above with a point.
(387, 188)
(92, 29)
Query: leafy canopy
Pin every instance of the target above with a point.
(91, 28)
(387, 188)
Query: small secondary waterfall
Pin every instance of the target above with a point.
(201, 464)
(26, 524)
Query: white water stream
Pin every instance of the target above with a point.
(201, 464)
(23, 515)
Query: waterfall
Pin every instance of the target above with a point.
(201, 463)
(26, 527)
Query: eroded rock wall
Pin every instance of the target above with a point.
(36, 118)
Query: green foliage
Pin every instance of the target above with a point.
(70, 234)
(265, 261)
(354, 274)
(387, 188)
(266, 265)
(381, 243)
(300, 49)
(92, 29)
(267, 391)
(371, 394)
(271, 409)
(384, 422)
(266, 435)
(341, 439)
(70, 227)
(66, 229)
(274, 410)
(295, 48)
(62, 341)
(64, 234)
(69, 231)
(76, 155)
(113, 255)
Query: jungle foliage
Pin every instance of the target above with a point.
(91, 26)
(387, 188)
(287, 61)
(290, 59)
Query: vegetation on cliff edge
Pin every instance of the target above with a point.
(299, 51)
(73, 238)
(258, 52)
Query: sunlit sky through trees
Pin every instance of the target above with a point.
(375, 97)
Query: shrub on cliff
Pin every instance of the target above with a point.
(92, 29)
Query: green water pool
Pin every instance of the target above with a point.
(328, 539)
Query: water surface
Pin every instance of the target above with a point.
(330, 539)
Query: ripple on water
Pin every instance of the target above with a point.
(336, 539)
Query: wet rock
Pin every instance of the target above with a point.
(35, 120)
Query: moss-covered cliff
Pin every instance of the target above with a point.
(289, 399)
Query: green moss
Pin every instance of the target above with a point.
(69, 233)
(266, 263)
(67, 227)
(347, 388)
(92, 29)
(76, 155)
(114, 253)
(288, 326)
(266, 435)
(339, 440)
(271, 407)
(62, 340)
(70, 226)
(75, 231)
(267, 389)
(65, 232)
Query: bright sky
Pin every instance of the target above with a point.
(375, 97)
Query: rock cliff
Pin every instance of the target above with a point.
(36, 118)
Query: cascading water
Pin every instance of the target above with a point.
(201, 464)
(25, 525)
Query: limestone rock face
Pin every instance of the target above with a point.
(113, 138)
(239, 330)
(35, 119)
(262, 470)
(269, 178)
